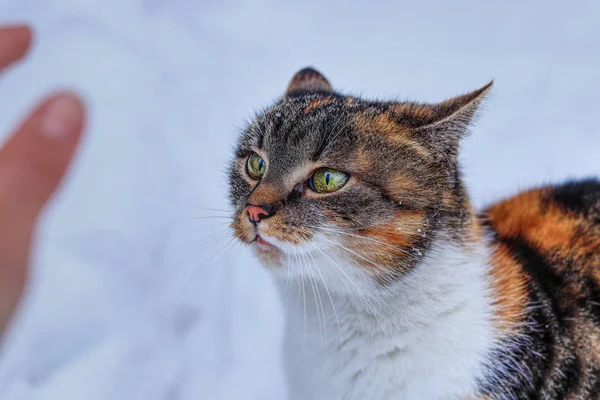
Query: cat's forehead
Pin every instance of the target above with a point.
(301, 129)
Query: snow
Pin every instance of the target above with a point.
(132, 298)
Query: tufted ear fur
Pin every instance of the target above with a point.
(441, 126)
(308, 80)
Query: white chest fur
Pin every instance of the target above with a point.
(424, 337)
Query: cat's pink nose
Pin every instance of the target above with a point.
(256, 213)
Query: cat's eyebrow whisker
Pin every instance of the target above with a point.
(336, 134)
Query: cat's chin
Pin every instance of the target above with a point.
(269, 254)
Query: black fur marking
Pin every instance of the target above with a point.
(580, 197)
(549, 354)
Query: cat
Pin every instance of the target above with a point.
(394, 286)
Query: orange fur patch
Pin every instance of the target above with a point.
(476, 231)
(384, 125)
(401, 183)
(383, 247)
(317, 103)
(414, 110)
(363, 160)
(541, 223)
(509, 286)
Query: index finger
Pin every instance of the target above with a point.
(14, 42)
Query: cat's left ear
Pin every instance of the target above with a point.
(441, 126)
(308, 80)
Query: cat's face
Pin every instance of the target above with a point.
(321, 176)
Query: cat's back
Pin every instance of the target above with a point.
(559, 224)
(546, 258)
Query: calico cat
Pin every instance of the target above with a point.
(394, 287)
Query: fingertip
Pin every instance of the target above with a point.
(28, 35)
(62, 115)
(15, 41)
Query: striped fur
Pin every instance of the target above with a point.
(403, 290)
(552, 236)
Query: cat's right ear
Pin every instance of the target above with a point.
(308, 80)
(441, 126)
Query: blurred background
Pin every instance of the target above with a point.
(138, 291)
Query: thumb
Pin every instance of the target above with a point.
(32, 164)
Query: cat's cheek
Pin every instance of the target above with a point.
(278, 228)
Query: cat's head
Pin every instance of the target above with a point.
(350, 185)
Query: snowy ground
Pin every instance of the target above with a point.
(125, 300)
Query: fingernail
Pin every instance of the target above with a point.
(60, 116)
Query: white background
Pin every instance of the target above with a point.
(127, 298)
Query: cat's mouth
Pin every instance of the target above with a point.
(265, 245)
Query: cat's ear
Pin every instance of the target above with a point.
(441, 126)
(308, 80)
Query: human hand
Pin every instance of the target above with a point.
(32, 163)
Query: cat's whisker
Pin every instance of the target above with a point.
(315, 288)
(213, 236)
(204, 244)
(288, 287)
(407, 253)
(337, 132)
(387, 273)
(297, 273)
(316, 267)
(317, 296)
(303, 296)
(215, 210)
(305, 272)
(338, 245)
(207, 217)
(357, 290)
(202, 228)
(199, 268)
(406, 226)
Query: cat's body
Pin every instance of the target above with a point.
(394, 288)
(546, 260)
(449, 339)
(413, 347)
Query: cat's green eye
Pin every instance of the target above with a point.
(256, 166)
(327, 180)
